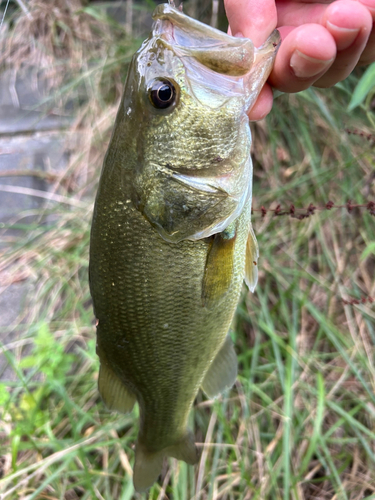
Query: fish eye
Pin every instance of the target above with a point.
(162, 93)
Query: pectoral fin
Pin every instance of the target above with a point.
(219, 266)
(222, 372)
(251, 266)
(115, 395)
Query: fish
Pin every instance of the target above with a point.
(171, 237)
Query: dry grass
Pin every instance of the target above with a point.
(300, 422)
(54, 37)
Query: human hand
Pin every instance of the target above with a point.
(322, 42)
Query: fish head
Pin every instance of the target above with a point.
(185, 103)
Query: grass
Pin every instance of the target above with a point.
(300, 422)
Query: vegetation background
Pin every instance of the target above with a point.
(300, 421)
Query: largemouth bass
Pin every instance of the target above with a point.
(171, 239)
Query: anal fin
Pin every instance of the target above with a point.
(219, 266)
(251, 266)
(223, 370)
(115, 395)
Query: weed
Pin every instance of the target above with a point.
(300, 421)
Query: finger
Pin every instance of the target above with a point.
(304, 56)
(263, 104)
(350, 23)
(368, 55)
(251, 18)
(343, 18)
(296, 13)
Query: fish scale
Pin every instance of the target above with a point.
(171, 238)
(197, 137)
(143, 322)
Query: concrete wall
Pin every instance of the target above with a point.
(32, 146)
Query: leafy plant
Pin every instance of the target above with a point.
(364, 88)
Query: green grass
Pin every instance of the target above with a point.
(300, 422)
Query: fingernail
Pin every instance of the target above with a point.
(305, 66)
(345, 37)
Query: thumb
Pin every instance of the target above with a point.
(252, 19)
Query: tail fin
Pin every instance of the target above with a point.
(147, 467)
(148, 464)
(184, 449)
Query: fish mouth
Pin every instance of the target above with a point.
(238, 67)
(222, 53)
